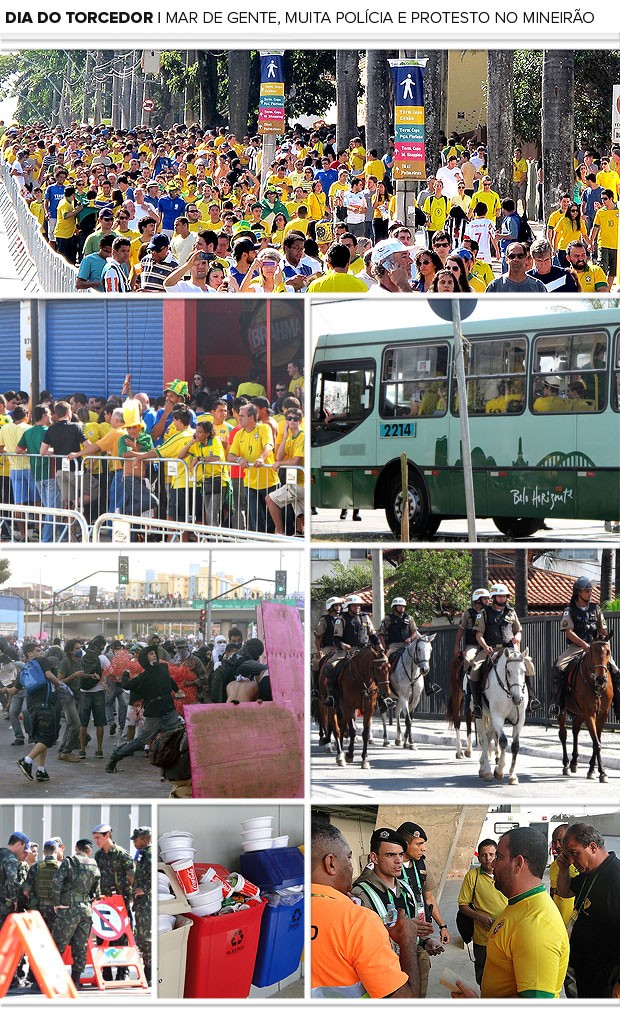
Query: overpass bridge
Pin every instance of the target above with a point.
(170, 622)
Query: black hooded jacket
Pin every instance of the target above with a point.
(154, 686)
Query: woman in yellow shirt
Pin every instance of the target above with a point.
(265, 275)
(317, 202)
(568, 229)
(380, 212)
(207, 456)
(277, 232)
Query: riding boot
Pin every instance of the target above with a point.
(557, 678)
(534, 704)
(476, 697)
(330, 700)
(430, 688)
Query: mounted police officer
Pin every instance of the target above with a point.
(466, 644)
(582, 622)
(352, 634)
(497, 627)
(396, 631)
(324, 637)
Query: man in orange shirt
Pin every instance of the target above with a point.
(352, 955)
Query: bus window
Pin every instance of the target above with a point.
(342, 397)
(568, 373)
(414, 381)
(495, 376)
(615, 398)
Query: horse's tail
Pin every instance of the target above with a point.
(450, 713)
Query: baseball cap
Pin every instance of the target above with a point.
(387, 247)
(21, 837)
(464, 254)
(107, 213)
(244, 245)
(158, 242)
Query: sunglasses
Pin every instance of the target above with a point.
(442, 245)
(516, 256)
(426, 263)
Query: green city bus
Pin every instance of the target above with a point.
(543, 395)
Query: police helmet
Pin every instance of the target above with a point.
(480, 594)
(499, 589)
(582, 583)
(398, 601)
(333, 601)
(353, 599)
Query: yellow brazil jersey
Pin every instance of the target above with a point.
(550, 405)
(205, 471)
(564, 904)
(37, 208)
(609, 180)
(294, 446)
(499, 404)
(332, 281)
(607, 221)
(487, 899)
(337, 189)
(5, 463)
(297, 224)
(376, 168)
(593, 278)
(250, 445)
(176, 472)
(221, 430)
(476, 283)
(92, 431)
(519, 170)
(281, 420)
(527, 949)
(488, 197)
(357, 157)
(436, 209)
(483, 271)
(565, 232)
(65, 226)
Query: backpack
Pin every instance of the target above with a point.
(525, 233)
(32, 677)
(91, 666)
(165, 749)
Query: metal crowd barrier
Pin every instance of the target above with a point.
(37, 263)
(125, 528)
(32, 522)
(218, 505)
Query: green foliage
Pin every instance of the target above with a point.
(434, 584)
(527, 94)
(5, 570)
(36, 78)
(342, 579)
(614, 604)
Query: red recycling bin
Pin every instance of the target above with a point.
(221, 951)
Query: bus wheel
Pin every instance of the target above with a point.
(518, 528)
(421, 521)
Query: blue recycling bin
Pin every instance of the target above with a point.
(281, 940)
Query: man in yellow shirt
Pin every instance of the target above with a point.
(337, 277)
(252, 446)
(605, 229)
(527, 949)
(66, 214)
(489, 197)
(178, 435)
(589, 276)
(478, 889)
(557, 215)
(290, 453)
(252, 387)
(519, 177)
(374, 166)
(217, 416)
(607, 178)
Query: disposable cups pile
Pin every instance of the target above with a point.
(177, 850)
(256, 834)
(207, 900)
(165, 923)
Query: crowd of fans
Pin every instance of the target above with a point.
(183, 210)
(209, 456)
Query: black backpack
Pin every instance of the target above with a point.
(525, 233)
(165, 749)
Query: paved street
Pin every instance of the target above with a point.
(373, 527)
(406, 776)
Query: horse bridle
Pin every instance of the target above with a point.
(364, 688)
(597, 686)
(410, 676)
(506, 687)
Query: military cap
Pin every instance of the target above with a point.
(102, 829)
(140, 833)
(412, 830)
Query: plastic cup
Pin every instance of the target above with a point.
(211, 875)
(265, 843)
(242, 886)
(165, 923)
(256, 822)
(186, 875)
(449, 979)
(280, 842)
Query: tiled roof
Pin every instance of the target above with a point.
(548, 592)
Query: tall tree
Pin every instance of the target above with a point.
(500, 117)
(239, 90)
(347, 80)
(558, 124)
(606, 575)
(378, 103)
(432, 105)
(479, 569)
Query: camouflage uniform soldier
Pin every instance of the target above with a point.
(37, 887)
(117, 872)
(142, 896)
(10, 859)
(73, 889)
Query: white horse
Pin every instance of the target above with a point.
(504, 700)
(407, 683)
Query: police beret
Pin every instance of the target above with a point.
(102, 829)
(412, 830)
(386, 835)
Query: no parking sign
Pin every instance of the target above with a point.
(109, 920)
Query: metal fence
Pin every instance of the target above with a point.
(38, 265)
(207, 500)
(541, 636)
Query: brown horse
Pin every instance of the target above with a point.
(457, 707)
(361, 677)
(587, 697)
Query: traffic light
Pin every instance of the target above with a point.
(280, 583)
(123, 570)
(202, 624)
